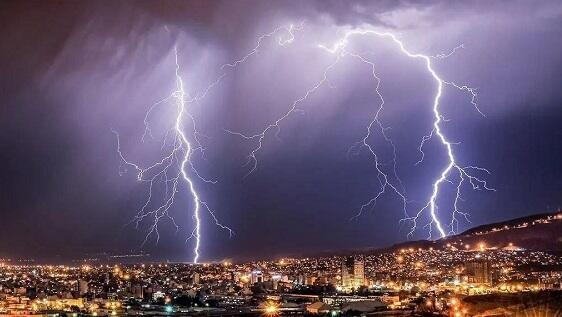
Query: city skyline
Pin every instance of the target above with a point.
(65, 192)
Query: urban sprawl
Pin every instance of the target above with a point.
(405, 281)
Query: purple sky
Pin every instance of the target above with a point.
(73, 71)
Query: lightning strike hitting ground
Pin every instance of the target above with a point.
(172, 169)
(390, 182)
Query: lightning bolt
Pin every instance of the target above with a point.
(173, 167)
(389, 181)
(282, 41)
(449, 54)
(275, 125)
(176, 165)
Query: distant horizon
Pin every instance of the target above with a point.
(313, 254)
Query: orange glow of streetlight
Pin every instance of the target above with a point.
(271, 309)
(482, 246)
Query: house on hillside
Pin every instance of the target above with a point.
(319, 308)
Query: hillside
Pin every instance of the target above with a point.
(536, 232)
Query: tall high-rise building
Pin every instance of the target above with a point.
(82, 287)
(256, 277)
(478, 271)
(353, 272)
(196, 278)
(138, 291)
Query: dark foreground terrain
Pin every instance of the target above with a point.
(530, 304)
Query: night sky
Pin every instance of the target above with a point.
(71, 71)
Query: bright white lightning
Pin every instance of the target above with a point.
(384, 178)
(463, 172)
(388, 182)
(290, 30)
(276, 124)
(173, 168)
(447, 55)
(174, 165)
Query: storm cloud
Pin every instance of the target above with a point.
(73, 71)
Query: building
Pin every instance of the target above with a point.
(478, 272)
(319, 308)
(256, 277)
(138, 291)
(365, 306)
(353, 272)
(82, 287)
(196, 278)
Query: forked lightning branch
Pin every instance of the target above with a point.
(176, 173)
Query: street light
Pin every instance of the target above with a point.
(271, 309)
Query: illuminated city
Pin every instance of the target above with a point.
(335, 158)
(438, 279)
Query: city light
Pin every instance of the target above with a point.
(482, 246)
(271, 309)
